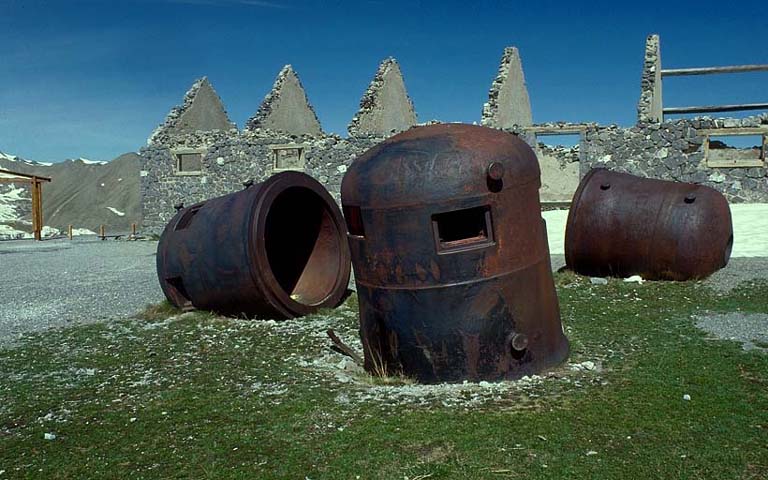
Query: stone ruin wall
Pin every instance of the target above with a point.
(669, 150)
(674, 150)
(232, 156)
(231, 159)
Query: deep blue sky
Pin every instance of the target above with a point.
(94, 78)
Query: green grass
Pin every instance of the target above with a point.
(192, 395)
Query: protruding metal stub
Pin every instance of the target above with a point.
(495, 171)
(248, 183)
(690, 198)
(518, 342)
(178, 206)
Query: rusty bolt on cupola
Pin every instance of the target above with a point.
(451, 257)
(622, 225)
(274, 249)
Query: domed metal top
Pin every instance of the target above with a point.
(437, 163)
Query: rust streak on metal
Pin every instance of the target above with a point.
(274, 249)
(623, 225)
(450, 256)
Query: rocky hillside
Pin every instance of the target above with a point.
(82, 193)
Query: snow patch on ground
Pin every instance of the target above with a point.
(115, 211)
(50, 231)
(9, 233)
(8, 211)
(14, 194)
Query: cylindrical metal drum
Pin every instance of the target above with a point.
(450, 256)
(622, 225)
(274, 249)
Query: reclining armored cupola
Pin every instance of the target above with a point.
(273, 249)
(450, 256)
(622, 225)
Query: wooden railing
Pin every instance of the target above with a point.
(678, 72)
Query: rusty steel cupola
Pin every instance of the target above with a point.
(450, 256)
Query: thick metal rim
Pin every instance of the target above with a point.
(160, 258)
(573, 212)
(261, 271)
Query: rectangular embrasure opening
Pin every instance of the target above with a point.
(354, 219)
(463, 229)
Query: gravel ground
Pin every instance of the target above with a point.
(61, 282)
(737, 271)
(746, 329)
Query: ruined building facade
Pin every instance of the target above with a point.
(198, 153)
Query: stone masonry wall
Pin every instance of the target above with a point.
(231, 159)
(674, 150)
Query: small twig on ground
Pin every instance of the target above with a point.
(343, 348)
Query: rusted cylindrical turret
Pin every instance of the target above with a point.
(622, 225)
(450, 256)
(274, 249)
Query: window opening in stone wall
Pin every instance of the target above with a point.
(189, 162)
(559, 140)
(564, 147)
(463, 229)
(288, 157)
(744, 150)
(558, 154)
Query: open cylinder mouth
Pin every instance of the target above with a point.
(303, 244)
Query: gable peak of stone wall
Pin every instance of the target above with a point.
(181, 118)
(277, 112)
(380, 115)
(650, 107)
(508, 102)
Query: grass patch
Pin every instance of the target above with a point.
(158, 311)
(180, 395)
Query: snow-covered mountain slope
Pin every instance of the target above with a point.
(82, 193)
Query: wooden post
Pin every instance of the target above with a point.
(133, 229)
(101, 232)
(69, 232)
(37, 214)
(36, 186)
